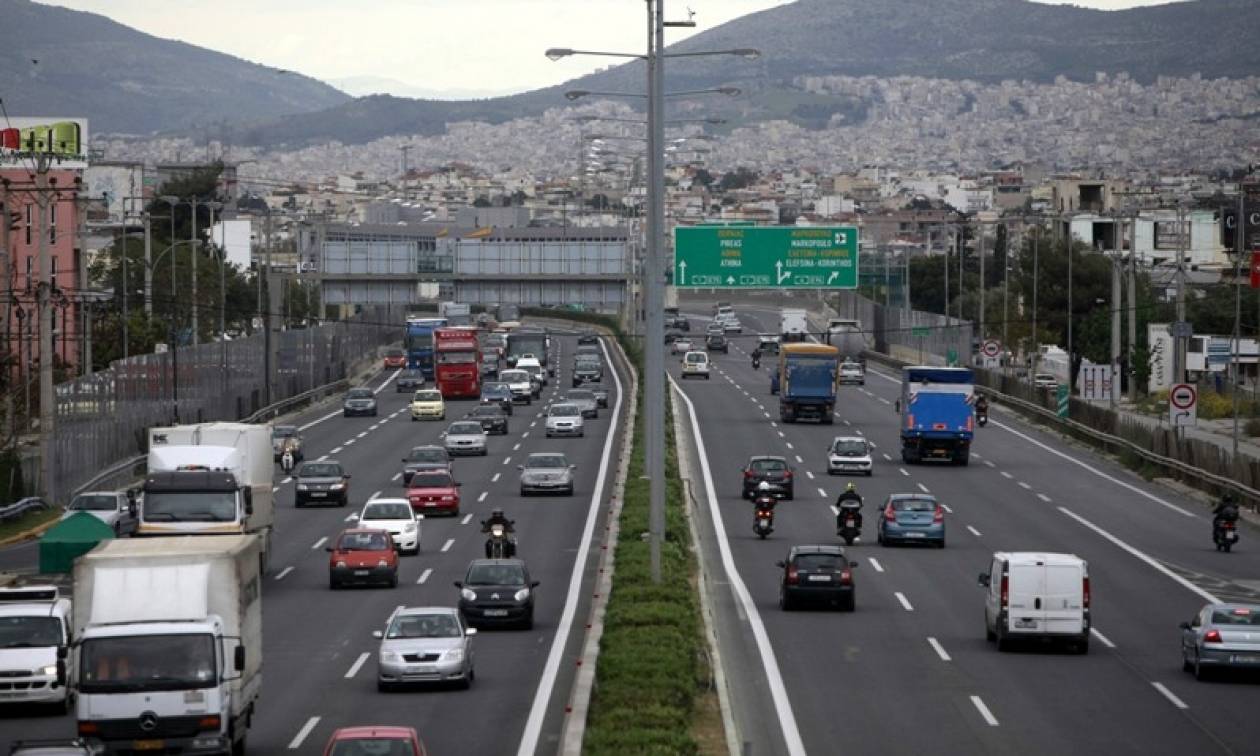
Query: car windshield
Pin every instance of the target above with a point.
(93, 503)
(319, 470)
(283, 431)
(818, 561)
(411, 374)
(387, 511)
(546, 461)
(495, 574)
(29, 632)
(428, 396)
(373, 747)
(132, 664)
(365, 541)
(697, 358)
(514, 376)
(394, 353)
(431, 480)
(849, 446)
(427, 454)
(465, 429)
(424, 626)
(767, 465)
(359, 394)
(914, 505)
(190, 506)
(1236, 616)
(850, 366)
(564, 410)
(488, 411)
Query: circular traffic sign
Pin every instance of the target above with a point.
(991, 348)
(1183, 396)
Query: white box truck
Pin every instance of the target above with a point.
(793, 324)
(456, 313)
(168, 643)
(210, 479)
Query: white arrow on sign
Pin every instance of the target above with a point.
(834, 275)
(779, 274)
(682, 272)
(730, 280)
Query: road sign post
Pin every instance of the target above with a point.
(1061, 397)
(766, 257)
(1183, 405)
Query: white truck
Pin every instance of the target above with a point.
(793, 324)
(209, 479)
(456, 313)
(168, 643)
(846, 335)
(34, 642)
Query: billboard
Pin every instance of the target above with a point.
(1250, 225)
(64, 139)
(1172, 235)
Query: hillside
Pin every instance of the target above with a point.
(125, 81)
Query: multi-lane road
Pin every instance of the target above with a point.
(319, 655)
(910, 671)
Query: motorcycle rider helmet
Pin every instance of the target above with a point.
(850, 487)
(1228, 498)
(496, 513)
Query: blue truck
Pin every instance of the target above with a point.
(937, 417)
(419, 343)
(806, 382)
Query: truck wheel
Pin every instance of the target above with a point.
(828, 419)
(238, 747)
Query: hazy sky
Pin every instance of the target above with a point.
(462, 47)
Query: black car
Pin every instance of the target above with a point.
(716, 342)
(588, 337)
(672, 336)
(424, 458)
(359, 401)
(409, 380)
(773, 470)
(817, 574)
(587, 370)
(497, 393)
(497, 591)
(321, 483)
(492, 418)
(680, 323)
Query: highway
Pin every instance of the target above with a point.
(319, 654)
(910, 671)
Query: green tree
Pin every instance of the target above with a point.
(740, 178)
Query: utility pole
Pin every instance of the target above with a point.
(1239, 244)
(266, 314)
(6, 315)
(405, 149)
(148, 264)
(1132, 268)
(192, 240)
(1036, 265)
(1006, 292)
(126, 313)
(653, 378)
(47, 460)
(1179, 343)
(946, 305)
(1071, 310)
(980, 251)
(1116, 304)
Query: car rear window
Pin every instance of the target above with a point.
(363, 542)
(766, 465)
(283, 431)
(697, 358)
(373, 747)
(1236, 616)
(317, 470)
(360, 394)
(546, 461)
(462, 429)
(564, 410)
(427, 455)
(849, 446)
(818, 562)
(428, 396)
(914, 505)
(430, 480)
(387, 511)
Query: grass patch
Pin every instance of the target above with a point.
(27, 521)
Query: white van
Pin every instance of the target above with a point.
(1035, 595)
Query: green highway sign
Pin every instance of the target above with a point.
(921, 331)
(766, 257)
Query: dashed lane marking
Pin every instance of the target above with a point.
(905, 602)
(938, 648)
(1007, 475)
(974, 532)
(424, 575)
(374, 495)
(1043, 497)
(810, 474)
(358, 664)
(336, 450)
(799, 461)
(875, 564)
(989, 463)
(984, 711)
(822, 492)
(924, 489)
(449, 543)
(887, 458)
(1170, 696)
(281, 575)
(495, 479)
(467, 519)
(903, 471)
(1101, 638)
(1024, 486)
(397, 475)
(319, 543)
(789, 445)
(482, 497)
(296, 743)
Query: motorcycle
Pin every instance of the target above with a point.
(499, 545)
(763, 517)
(982, 418)
(756, 362)
(849, 521)
(1224, 534)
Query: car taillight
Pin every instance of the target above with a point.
(846, 576)
(1006, 590)
(939, 514)
(792, 577)
(890, 515)
(1085, 592)
(1212, 636)
(208, 723)
(88, 728)
(787, 475)
(748, 473)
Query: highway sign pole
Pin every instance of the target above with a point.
(1183, 400)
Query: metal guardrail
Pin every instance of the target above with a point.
(21, 507)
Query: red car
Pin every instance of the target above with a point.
(433, 491)
(375, 741)
(362, 555)
(395, 358)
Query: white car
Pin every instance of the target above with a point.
(396, 516)
(731, 325)
(1045, 380)
(695, 364)
(465, 437)
(565, 420)
(852, 372)
(519, 383)
(680, 345)
(532, 366)
(849, 454)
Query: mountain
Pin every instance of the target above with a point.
(361, 86)
(125, 81)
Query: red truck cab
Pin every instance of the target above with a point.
(457, 363)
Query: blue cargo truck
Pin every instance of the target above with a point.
(806, 382)
(419, 343)
(937, 419)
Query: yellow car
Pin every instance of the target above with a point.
(427, 404)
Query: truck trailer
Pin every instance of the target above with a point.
(806, 382)
(937, 416)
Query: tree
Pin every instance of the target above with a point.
(740, 178)
(481, 201)
(703, 177)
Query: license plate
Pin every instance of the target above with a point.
(1244, 659)
(430, 503)
(820, 578)
(1026, 623)
(318, 494)
(148, 745)
(849, 523)
(914, 535)
(496, 612)
(360, 573)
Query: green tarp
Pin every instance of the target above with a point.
(69, 539)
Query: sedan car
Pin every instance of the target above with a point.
(426, 644)
(427, 404)
(395, 517)
(497, 393)
(852, 373)
(773, 470)
(1221, 636)
(492, 418)
(364, 556)
(321, 483)
(716, 342)
(731, 325)
(714, 327)
(433, 491)
(911, 517)
(286, 437)
(817, 574)
(680, 345)
(359, 401)
(585, 400)
(374, 741)
(497, 591)
(424, 458)
(546, 472)
(409, 380)
(465, 437)
(849, 454)
(564, 420)
(395, 358)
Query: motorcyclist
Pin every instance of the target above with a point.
(982, 405)
(849, 503)
(1226, 511)
(498, 518)
(756, 357)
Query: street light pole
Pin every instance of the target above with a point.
(192, 238)
(654, 347)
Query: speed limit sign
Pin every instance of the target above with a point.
(1183, 401)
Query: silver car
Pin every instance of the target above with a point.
(425, 644)
(565, 420)
(465, 437)
(110, 507)
(585, 400)
(359, 401)
(1221, 636)
(546, 472)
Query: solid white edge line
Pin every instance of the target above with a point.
(938, 648)
(547, 683)
(296, 743)
(875, 564)
(424, 575)
(387, 381)
(1101, 638)
(358, 664)
(774, 677)
(1142, 556)
(280, 575)
(1170, 696)
(984, 711)
(905, 602)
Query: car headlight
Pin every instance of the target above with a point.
(410, 527)
(50, 670)
(336, 486)
(522, 594)
(390, 657)
(382, 563)
(453, 654)
(341, 564)
(467, 594)
(301, 486)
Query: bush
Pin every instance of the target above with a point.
(1253, 426)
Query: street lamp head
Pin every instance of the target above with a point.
(747, 53)
(575, 94)
(556, 53)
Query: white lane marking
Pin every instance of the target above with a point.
(800, 461)
(467, 519)
(533, 424)
(767, 414)
(319, 543)
(887, 458)
(1101, 638)
(945, 507)
(924, 488)
(547, 682)
(774, 677)
(875, 564)
(989, 463)
(449, 543)
(515, 448)
(319, 420)
(424, 575)
(1024, 486)
(977, 456)
(905, 602)
(974, 532)
(1170, 696)
(387, 381)
(846, 422)
(984, 711)
(374, 495)
(903, 471)
(286, 481)
(374, 427)
(361, 435)
(296, 743)
(885, 401)
(482, 497)
(1098, 472)
(495, 479)
(321, 459)
(1043, 497)
(808, 473)
(275, 488)
(1142, 556)
(352, 517)
(507, 459)
(822, 492)
(524, 435)
(780, 434)
(336, 450)
(358, 664)
(834, 509)
(281, 575)
(349, 442)
(1007, 475)
(773, 424)
(938, 648)
(789, 445)
(397, 475)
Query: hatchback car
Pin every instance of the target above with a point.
(409, 380)
(426, 644)
(286, 437)
(359, 401)
(424, 458)
(681, 345)
(849, 454)
(546, 472)
(434, 491)
(492, 418)
(911, 518)
(564, 420)
(585, 400)
(364, 556)
(395, 358)
(374, 741)
(851, 373)
(427, 404)
(395, 517)
(520, 384)
(321, 483)
(695, 365)
(497, 591)
(497, 393)
(716, 342)
(1221, 636)
(817, 574)
(465, 437)
(773, 470)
